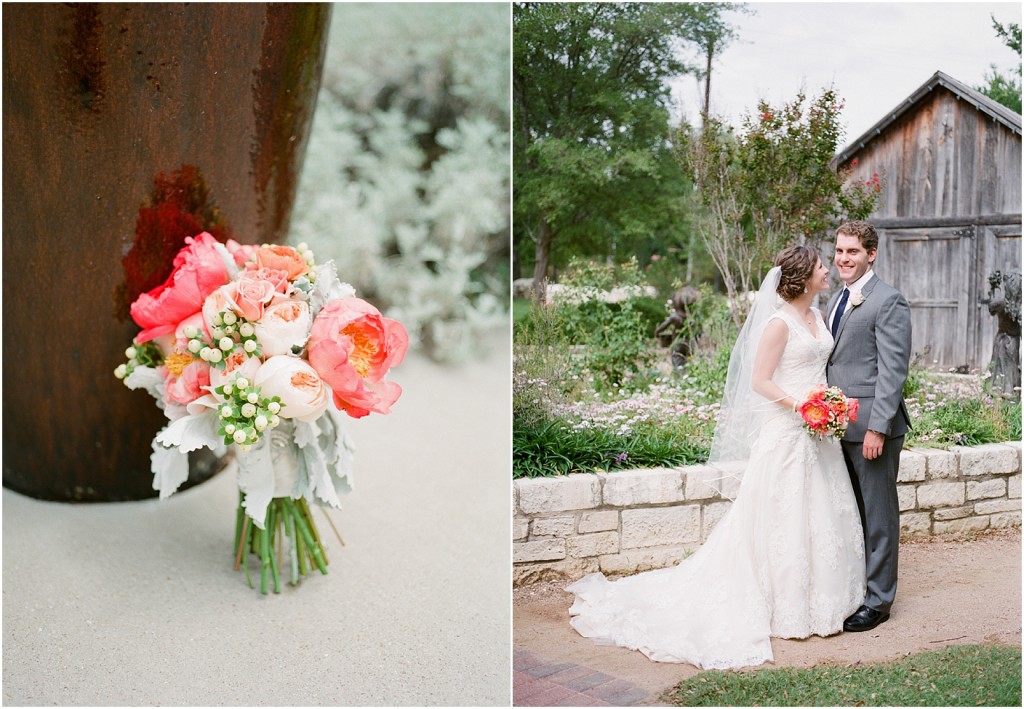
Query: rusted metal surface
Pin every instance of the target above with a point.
(100, 103)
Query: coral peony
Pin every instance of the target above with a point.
(198, 271)
(352, 346)
(187, 379)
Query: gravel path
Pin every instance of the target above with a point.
(953, 591)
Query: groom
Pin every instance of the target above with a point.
(870, 321)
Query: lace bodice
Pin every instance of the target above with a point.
(802, 365)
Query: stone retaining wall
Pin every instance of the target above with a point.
(632, 520)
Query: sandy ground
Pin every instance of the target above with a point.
(137, 603)
(951, 592)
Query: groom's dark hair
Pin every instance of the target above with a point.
(863, 231)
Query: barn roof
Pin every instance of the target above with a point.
(983, 103)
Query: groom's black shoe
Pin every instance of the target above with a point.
(864, 619)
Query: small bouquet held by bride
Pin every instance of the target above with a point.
(828, 412)
(258, 349)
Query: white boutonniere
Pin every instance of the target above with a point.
(856, 298)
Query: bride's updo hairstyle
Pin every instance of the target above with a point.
(797, 264)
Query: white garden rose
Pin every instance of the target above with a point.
(303, 394)
(283, 326)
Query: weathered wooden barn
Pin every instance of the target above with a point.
(950, 211)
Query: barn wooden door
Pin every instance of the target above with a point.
(935, 269)
(943, 272)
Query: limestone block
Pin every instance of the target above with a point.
(988, 459)
(913, 467)
(939, 463)
(932, 495)
(515, 498)
(633, 560)
(561, 571)
(1005, 519)
(992, 506)
(700, 481)
(540, 550)
(958, 526)
(915, 523)
(650, 527)
(948, 513)
(593, 544)
(643, 487)
(605, 521)
(995, 487)
(520, 528)
(554, 526)
(713, 514)
(580, 491)
(908, 496)
(1013, 486)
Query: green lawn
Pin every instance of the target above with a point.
(969, 675)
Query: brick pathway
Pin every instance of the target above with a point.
(539, 683)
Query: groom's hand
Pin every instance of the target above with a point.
(873, 442)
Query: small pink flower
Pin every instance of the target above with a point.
(187, 386)
(238, 363)
(242, 253)
(352, 346)
(198, 271)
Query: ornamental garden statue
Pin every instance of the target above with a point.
(1005, 302)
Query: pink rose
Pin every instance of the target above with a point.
(303, 395)
(284, 325)
(352, 347)
(282, 258)
(250, 294)
(198, 271)
(189, 384)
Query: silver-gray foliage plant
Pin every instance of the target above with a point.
(406, 178)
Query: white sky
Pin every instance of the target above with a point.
(874, 54)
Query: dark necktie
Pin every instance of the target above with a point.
(839, 311)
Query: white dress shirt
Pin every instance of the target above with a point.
(855, 286)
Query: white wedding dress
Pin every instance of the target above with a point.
(786, 560)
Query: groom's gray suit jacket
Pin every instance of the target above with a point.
(870, 359)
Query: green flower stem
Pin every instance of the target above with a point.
(304, 529)
(265, 559)
(300, 546)
(290, 531)
(316, 534)
(239, 524)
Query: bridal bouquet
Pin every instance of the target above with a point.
(827, 411)
(248, 347)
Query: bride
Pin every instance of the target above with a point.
(787, 559)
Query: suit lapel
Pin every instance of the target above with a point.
(850, 307)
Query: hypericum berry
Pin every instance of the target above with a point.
(229, 329)
(246, 329)
(191, 332)
(230, 429)
(239, 436)
(241, 382)
(204, 353)
(230, 318)
(131, 352)
(194, 346)
(215, 356)
(261, 423)
(121, 372)
(249, 346)
(275, 420)
(253, 397)
(227, 390)
(248, 410)
(226, 412)
(226, 344)
(274, 407)
(218, 320)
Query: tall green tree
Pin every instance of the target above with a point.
(1005, 89)
(592, 157)
(771, 184)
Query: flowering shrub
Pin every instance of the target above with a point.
(405, 183)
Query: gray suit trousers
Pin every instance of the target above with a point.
(874, 485)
